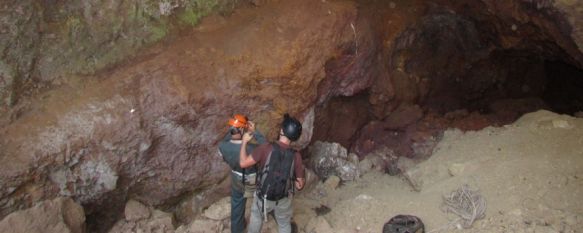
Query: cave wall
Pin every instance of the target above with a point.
(149, 128)
(42, 41)
(475, 63)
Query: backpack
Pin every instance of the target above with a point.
(275, 180)
(404, 224)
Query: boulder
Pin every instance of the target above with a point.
(202, 226)
(158, 222)
(311, 178)
(60, 215)
(331, 159)
(194, 204)
(332, 182)
(220, 210)
(383, 160)
(135, 211)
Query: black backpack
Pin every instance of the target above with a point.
(404, 224)
(275, 180)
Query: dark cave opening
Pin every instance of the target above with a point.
(340, 118)
(564, 87)
(455, 67)
(493, 91)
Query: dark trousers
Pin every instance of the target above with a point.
(238, 202)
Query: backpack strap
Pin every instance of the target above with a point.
(262, 174)
(292, 175)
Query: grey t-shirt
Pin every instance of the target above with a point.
(230, 149)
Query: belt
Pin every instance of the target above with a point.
(249, 178)
(241, 174)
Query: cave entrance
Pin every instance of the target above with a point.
(454, 66)
(340, 118)
(564, 87)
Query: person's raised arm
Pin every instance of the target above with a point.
(246, 160)
(258, 135)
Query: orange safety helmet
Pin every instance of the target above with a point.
(238, 121)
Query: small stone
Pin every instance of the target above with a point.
(363, 197)
(516, 212)
(201, 226)
(456, 169)
(365, 166)
(135, 211)
(563, 124)
(220, 210)
(514, 27)
(332, 182)
(414, 176)
(392, 5)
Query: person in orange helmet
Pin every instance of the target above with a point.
(242, 180)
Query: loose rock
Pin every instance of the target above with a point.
(60, 215)
(135, 211)
(331, 159)
(332, 182)
(456, 169)
(219, 210)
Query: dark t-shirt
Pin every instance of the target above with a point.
(261, 152)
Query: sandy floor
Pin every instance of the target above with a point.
(529, 172)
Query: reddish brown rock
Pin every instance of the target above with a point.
(150, 129)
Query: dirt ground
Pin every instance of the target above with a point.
(530, 173)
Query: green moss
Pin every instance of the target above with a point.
(157, 33)
(74, 26)
(190, 17)
(195, 10)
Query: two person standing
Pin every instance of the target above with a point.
(279, 172)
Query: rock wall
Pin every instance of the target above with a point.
(148, 129)
(41, 41)
(446, 56)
